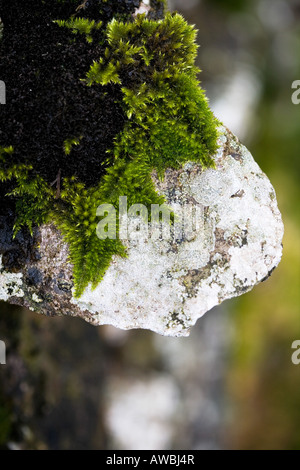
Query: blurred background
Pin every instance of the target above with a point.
(231, 384)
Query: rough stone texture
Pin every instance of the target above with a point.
(164, 286)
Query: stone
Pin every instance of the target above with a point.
(166, 285)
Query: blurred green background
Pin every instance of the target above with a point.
(232, 384)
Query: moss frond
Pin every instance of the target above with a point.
(103, 75)
(81, 26)
(69, 143)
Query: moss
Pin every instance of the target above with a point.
(69, 143)
(146, 68)
(81, 26)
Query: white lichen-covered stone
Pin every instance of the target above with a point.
(143, 8)
(166, 285)
(10, 284)
(36, 298)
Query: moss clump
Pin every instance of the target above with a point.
(169, 121)
(149, 67)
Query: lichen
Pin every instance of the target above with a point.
(10, 284)
(148, 66)
(36, 298)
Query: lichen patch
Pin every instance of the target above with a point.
(10, 284)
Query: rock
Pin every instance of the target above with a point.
(166, 285)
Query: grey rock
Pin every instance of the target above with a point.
(166, 284)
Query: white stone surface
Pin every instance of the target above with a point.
(10, 284)
(143, 8)
(165, 286)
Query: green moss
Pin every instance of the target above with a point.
(168, 123)
(69, 143)
(81, 26)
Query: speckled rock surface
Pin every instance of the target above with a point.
(166, 285)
